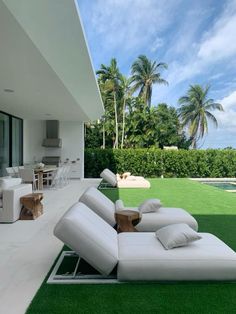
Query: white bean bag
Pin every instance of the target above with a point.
(140, 256)
(150, 222)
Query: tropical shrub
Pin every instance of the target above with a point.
(155, 162)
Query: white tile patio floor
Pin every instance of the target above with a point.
(28, 248)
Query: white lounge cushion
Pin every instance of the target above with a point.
(109, 176)
(142, 257)
(89, 236)
(176, 235)
(119, 205)
(151, 222)
(165, 216)
(8, 182)
(134, 182)
(100, 204)
(150, 205)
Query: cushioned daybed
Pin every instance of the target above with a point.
(141, 256)
(152, 221)
(128, 182)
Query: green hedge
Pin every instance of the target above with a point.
(155, 162)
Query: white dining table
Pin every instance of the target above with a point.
(40, 172)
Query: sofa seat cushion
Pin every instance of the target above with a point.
(100, 204)
(90, 236)
(142, 257)
(165, 216)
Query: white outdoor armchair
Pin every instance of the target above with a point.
(11, 190)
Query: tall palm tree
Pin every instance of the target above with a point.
(195, 112)
(146, 73)
(110, 75)
(125, 88)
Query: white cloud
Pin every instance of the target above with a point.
(130, 25)
(158, 43)
(227, 119)
(219, 43)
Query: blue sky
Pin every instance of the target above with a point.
(196, 38)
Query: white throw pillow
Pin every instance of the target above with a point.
(125, 175)
(176, 235)
(150, 205)
(119, 205)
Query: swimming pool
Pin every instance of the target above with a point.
(227, 186)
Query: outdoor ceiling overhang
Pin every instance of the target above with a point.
(45, 65)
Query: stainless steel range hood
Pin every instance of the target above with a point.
(52, 134)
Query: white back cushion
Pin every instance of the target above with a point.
(89, 236)
(109, 176)
(6, 183)
(100, 204)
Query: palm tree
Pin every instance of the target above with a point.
(146, 73)
(110, 75)
(195, 111)
(125, 88)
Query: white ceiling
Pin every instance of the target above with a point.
(45, 60)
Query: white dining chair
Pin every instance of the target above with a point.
(10, 171)
(28, 176)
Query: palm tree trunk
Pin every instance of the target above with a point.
(116, 123)
(123, 124)
(194, 143)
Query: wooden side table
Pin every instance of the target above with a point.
(32, 206)
(126, 220)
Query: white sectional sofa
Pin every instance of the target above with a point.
(140, 256)
(11, 190)
(150, 222)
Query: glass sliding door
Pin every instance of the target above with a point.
(4, 143)
(17, 143)
(11, 142)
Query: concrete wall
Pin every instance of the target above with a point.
(71, 133)
(34, 133)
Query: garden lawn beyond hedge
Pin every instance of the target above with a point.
(214, 209)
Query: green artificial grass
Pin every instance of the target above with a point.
(214, 209)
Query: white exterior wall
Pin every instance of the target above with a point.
(33, 135)
(71, 133)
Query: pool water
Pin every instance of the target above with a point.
(222, 185)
